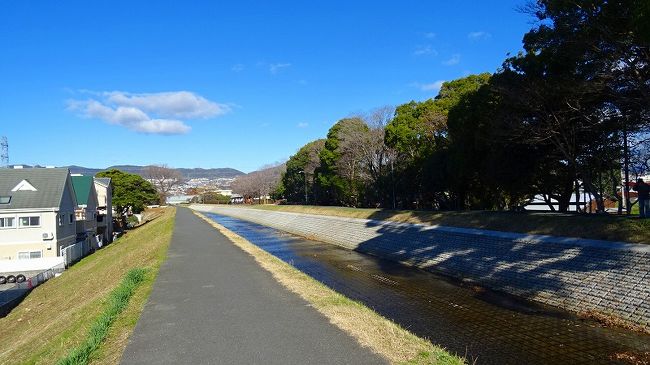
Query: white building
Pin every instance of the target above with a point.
(37, 212)
(104, 189)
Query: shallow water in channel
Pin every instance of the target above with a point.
(484, 326)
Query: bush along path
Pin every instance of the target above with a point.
(117, 301)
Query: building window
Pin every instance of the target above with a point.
(30, 221)
(7, 222)
(26, 255)
(61, 219)
(71, 218)
(5, 199)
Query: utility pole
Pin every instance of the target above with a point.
(4, 152)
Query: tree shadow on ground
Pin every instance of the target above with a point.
(557, 273)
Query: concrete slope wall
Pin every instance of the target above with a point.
(575, 274)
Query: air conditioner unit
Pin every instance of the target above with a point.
(48, 236)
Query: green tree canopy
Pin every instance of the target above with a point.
(130, 190)
(297, 181)
(418, 133)
(338, 176)
(211, 197)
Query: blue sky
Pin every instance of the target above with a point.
(215, 84)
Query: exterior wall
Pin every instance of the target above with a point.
(87, 214)
(105, 208)
(22, 239)
(68, 230)
(575, 274)
(109, 213)
(17, 239)
(102, 195)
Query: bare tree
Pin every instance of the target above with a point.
(259, 184)
(163, 178)
(375, 158)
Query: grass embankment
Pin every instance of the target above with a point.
(601, 227)
(57, 316)
(117, 302)
(370, 329)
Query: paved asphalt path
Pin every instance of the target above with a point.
(213, 304)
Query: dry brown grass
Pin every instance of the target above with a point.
(370, 329)
(56, 316)
(632, 358)
(602, 227)
(609, 320)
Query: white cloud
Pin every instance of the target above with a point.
(424, 50)
(429, 35)
(274, 68)
(237, 68)
(475, 36)
(162, 126)
(454, 60)
(303, 125)
(153, 113)
(434, 86)
(175, 104)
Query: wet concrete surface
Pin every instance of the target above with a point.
(484, 326)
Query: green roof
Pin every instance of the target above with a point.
(81, 185)
(49, 185)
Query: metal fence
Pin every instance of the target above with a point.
(75, 252)
(12, 294)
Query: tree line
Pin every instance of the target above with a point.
(566, 114)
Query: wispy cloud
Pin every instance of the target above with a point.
(274, 68)
(429, 35)
(433, 86)
(454, 60)
(303, 125)
(152, 113)
(426, 49)
(238, 68)
(475, 36)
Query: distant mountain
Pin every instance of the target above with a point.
(194, 173)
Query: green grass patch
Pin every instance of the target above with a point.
(592, 226)
(117, 302)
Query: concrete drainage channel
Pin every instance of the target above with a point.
(610, 279)
(485, 326)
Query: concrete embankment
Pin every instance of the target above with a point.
(580, 275)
